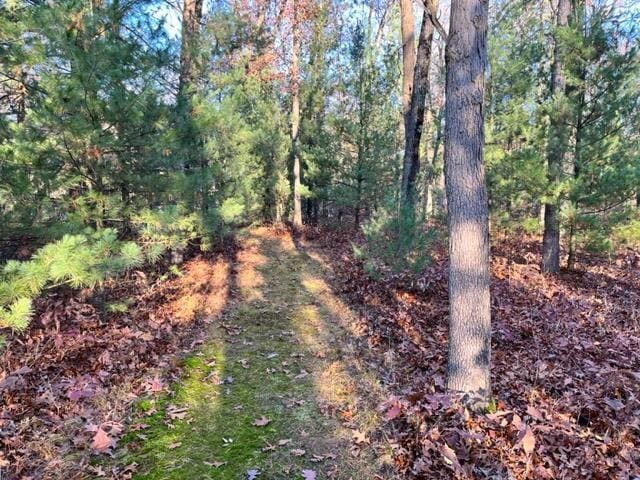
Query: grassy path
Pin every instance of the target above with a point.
(277, 389)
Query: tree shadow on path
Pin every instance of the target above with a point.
(278, 387)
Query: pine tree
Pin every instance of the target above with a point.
(557, 143)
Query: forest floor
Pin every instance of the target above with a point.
(244, 366)
(280, 357)
(277, 390)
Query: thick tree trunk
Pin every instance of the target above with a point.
(415, 119)
(295, 122)
(556, 148)
(407, 31)
(469, 301)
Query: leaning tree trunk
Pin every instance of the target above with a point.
(469, 302)
(556, 147)
(415, 118)
(295, 120)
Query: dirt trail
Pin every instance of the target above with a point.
(278, 388)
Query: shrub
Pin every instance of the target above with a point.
(169, 228)
(81, 260)
(395, 240)
(627, 235)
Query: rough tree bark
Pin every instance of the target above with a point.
(556, 147)
(295, 118)
(407, 31)
(414, 121)
(469, 302)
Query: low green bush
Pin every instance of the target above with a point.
(81, 260)
(396, 240)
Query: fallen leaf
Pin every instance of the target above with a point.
(101, 441)
(527, 440)
(359, 437)
(176, 413)
(451, 458)
(298, 452)
(393, 412)
(261, 422)
(614, 403)
(534, 412)
(156, 385)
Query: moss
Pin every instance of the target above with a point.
(118, 307)
(235, 379)
(145, 405)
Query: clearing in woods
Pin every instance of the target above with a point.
(278, 391)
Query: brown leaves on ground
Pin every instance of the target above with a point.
(566, 365)
(261, 422)
(68, 382)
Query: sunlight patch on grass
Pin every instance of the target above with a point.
(271, 356)
(334, 306)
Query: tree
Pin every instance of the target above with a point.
(469, 301)
(557, 144)
(366, 126)
(191, 20)
(414, 118)
(295, 115)
(408, 37)
(602, 97)
(515, 101)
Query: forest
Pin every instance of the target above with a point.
(320, 239)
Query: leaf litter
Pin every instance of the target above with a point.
(565, 356)
(67, 384)
(565, 373)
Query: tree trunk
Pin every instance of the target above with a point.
(21, 95)
(407, 31)
(469, 301)
(190, 154)
(430, 175)
(295, 120)
(571, 258)
(415, 119)
(556, 147)
(191, 19)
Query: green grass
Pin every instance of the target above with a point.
(282, 324)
